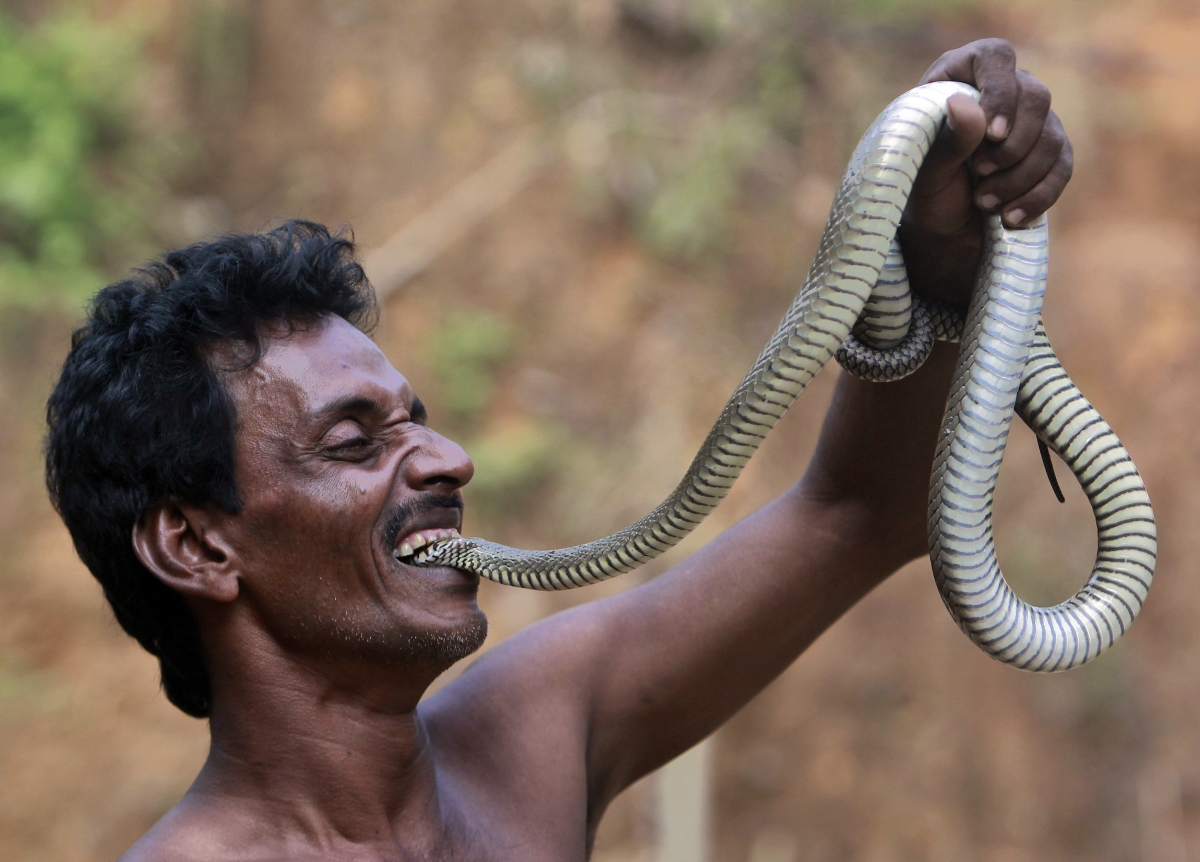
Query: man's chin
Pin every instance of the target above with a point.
(449, 645)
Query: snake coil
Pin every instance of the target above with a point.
(855, 303)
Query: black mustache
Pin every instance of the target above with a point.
(396, 521)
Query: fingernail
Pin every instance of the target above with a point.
(988, 201)
(1015, 217)
(999, 128)
(985, 168)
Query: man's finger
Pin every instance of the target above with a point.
(1003, 187)
(996, 80)
(1033, 108)
(1042, 196)
(989, 65)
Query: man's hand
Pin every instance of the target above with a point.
(1007, 154)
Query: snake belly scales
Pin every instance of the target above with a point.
(855, 304)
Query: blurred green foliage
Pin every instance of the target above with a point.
(219, 53)
(512, 453)
(545, 70)
(781, 88)
(464, 354)
(886, 11)
(512, 459)
(686, 214)
(75, 171)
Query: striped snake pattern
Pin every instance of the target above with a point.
(855, 303)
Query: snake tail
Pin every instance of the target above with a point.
(1006, 364)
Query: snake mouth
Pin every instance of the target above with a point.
(411, 546)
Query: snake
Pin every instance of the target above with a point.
(855, 304)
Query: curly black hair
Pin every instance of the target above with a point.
(139, 416)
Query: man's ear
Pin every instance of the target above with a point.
(184, 548)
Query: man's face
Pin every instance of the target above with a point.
(335, 468)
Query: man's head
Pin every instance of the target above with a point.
(231, 452)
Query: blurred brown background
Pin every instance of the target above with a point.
(592, 213)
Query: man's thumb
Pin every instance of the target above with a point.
(960, 135)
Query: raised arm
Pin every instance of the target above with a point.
(638, 678)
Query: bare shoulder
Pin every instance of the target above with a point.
(161, 844)
(531, 692)
(551, 660)
(188, 833)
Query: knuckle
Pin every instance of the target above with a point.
(996, 46)
(1064, 168)
(1053, 140)
(1034, 93)
(1037, 202)
(1058, 129)
(939, 70)
(1010, 187)
(1009, 153)
(1046, 193)
(950, 58)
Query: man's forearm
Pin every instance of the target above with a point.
(874, 455)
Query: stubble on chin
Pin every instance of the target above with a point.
(416, 645)
(447, 646)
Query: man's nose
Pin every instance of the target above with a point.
(438, 463)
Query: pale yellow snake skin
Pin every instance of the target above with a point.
(1005, 362)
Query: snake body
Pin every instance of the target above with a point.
(855, 303)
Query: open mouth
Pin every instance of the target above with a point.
(414, 542)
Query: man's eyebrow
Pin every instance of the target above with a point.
(349, 404)
(362, 405)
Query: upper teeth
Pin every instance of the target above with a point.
(421, 538)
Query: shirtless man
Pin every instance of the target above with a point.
(236, 462)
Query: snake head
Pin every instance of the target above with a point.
(432, 547)
(418, 544)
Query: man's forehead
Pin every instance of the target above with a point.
(308, 366)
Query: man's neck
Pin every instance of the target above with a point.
(323, 755)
